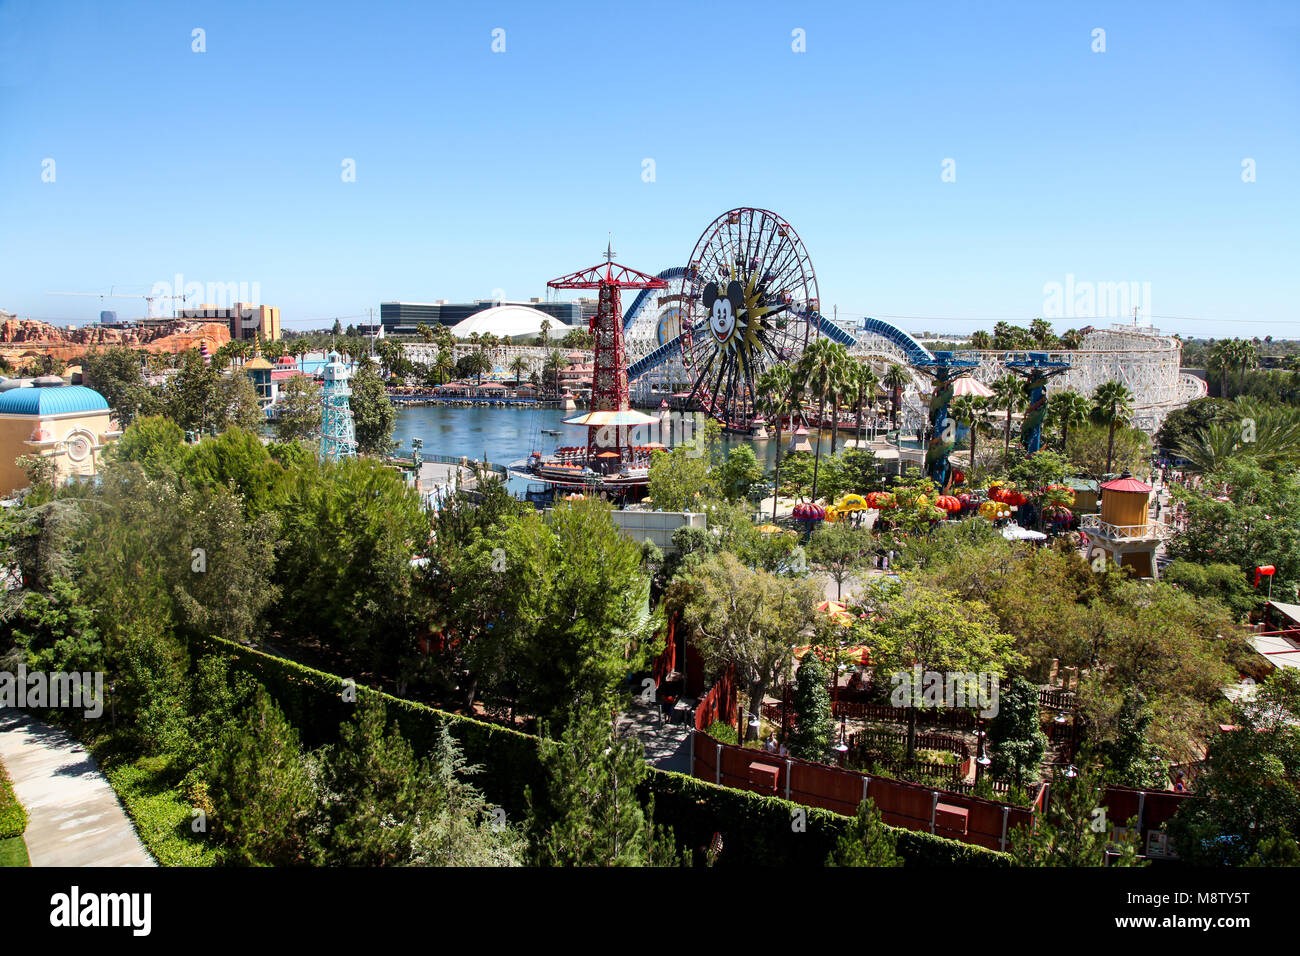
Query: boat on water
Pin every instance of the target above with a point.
(551, 431)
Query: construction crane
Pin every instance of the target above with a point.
(110, 294)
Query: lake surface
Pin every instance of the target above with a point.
(508, 434)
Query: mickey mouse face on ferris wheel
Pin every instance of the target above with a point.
(724, 310)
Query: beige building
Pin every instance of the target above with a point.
(68, 424)
(245, 321)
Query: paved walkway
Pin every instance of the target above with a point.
(667, 744)
(73, 817)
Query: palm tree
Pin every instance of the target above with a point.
(895, 380)
(1009, 396)
(840, 385)
(981, 340)
(777, 396)
(969, 411)
(424, 332)
(1112, 405)
(818, 368)
(863, 382)
(1067, 409)
(519, 366)
(443, 365)
(544, 335)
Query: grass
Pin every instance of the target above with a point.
(13, 852)
(151, 791)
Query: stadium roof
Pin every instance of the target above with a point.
(512, 321)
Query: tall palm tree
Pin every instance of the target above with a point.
(443, 365)
(969, 411)
(1112, 406)
(1068, 409)
(519, 366)
(862, 383)
(818, 368)
(1009, 396)
(895, 380)
(776, 389)
(840, 385)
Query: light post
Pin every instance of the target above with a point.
(842, 747)
(982, 759)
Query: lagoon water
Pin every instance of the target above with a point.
(508, 434)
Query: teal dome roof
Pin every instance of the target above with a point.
(62, 400)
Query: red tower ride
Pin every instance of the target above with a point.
(609, 393)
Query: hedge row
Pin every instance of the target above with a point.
(756, 830)
(13, 818)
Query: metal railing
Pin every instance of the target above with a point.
(1124, 532)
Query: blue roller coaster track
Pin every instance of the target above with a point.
(915, 352)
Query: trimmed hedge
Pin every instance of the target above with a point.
(756, 830)
(13, 818)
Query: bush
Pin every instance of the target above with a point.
(756, 829)
(13, 818)
(722, 732)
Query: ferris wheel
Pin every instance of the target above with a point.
(751, 303)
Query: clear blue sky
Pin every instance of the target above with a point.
(478, 171)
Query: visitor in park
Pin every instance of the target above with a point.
(769, 745)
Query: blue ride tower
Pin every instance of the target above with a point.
(337, 436)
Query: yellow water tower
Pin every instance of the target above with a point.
(1124, 531)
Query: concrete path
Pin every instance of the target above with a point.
(73, 817)
(667, 743)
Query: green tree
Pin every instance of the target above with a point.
(819, 367)
(190, 396)
(298, 409)
(778, 397)
(261, 787)
(838, 549)
(938, 631)
(969, 411)
(590, 813)
(750, 620)
(116, 374)
(811, 735)
(222, 565)
(1259, 523)
(867, 841)
(896, 379)
(738, 472)
(1008, 396)
(1248, 793)
(55, 630)
(1112, 406)
(1067, 409)
(1074, 830)
(1018, 738)
(373, 415)
(1132, 760)
(680, 478)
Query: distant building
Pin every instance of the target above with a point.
(402, 318)
(245, 321)
(515, 322)
(68, 424)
